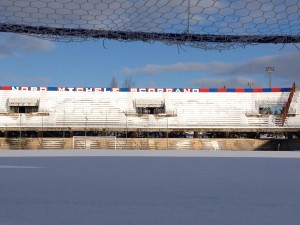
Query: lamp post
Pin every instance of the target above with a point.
(250, 84)
(167, 133)
(270, 70)
(106, 124)
(85, 130)
(64, 126)
(20, 126)
(126, 126)
(42, 134)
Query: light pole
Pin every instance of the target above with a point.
(106, 124)
(167, 133)
(250, 84)
(64, 126)
(126, 126)
(270, 70)
(42, 130)
(20, 128)
(85, 130)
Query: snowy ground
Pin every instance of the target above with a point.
(147, 153)
(167, 188)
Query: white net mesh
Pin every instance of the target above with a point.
(208, 24)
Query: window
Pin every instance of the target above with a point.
(23, 109)
(271, 109)
(149, 106)
(22, 105)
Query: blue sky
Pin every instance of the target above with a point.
(28, 61)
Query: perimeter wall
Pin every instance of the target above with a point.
(152, 144)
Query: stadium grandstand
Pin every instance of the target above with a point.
(152, 118)
(148, 118)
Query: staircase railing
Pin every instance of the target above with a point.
(288, 103)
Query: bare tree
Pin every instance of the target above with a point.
(128, 82)
(114, 82)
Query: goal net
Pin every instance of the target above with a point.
(207, 24)
(94, 142)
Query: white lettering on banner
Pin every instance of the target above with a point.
(61, 89)
(88, 89)
(99, 89)
(33, 88)
(133, 90)
(24, 88)
(43, 89)
(116, 89)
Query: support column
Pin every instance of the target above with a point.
(196, 134)
(257, 135)
(165, 134)
(135, 134)
(227, 134)
(39, 134)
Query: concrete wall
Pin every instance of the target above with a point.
(152, 144)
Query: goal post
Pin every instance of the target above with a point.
(228, 24)
(94, 142)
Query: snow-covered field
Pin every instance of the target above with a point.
(149, 188)
(147, 153)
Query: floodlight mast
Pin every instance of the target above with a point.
(250, 84)
(270, 70)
